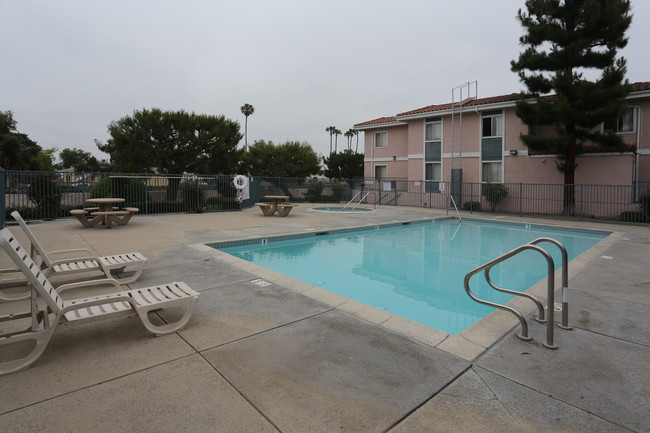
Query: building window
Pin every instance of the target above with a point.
(621, 124)
(492, 147)
(433, 129)
(433, 154)
(492, 122)
(492, 172)
(381, 172)
(381, 139)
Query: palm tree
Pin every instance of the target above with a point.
(349, 134)
(331, 130)
(247, 110)
(356, 132)
(337, 131)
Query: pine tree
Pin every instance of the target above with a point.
(564, 43)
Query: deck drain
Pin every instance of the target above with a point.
(261, 282)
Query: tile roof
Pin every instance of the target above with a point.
(381, 120)
(634, 87)
(640, 86)
(475, 102)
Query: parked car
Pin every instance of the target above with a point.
(80, 186)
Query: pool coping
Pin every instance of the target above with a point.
(468, 344)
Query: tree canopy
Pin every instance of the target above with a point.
(566, 42)
(173, 142)
(18, 151)
(290, 159)
(79, 159)
(344, 165)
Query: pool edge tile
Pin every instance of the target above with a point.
(414, 330)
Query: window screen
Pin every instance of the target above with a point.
(432, 151)
(491, 149)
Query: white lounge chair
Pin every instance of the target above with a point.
(109, 265)
(10, 280)
(76, 311)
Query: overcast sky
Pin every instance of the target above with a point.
(70, 67)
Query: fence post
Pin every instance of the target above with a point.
(2, 198)
(580, 205)
(471, 198)
(520, 199)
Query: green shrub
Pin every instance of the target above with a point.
(644, 205)
(314, 192)
(45, 192)
(192, 195)
(474, 206)
(132, 190)
(632, 216)
(225, 187)
(494, 193)
(221, 203)
(338, 191)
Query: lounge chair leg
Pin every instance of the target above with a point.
(110, 273)
(168, 328)
(41, 338)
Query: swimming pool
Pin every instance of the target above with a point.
(416, 271)
(341, 209)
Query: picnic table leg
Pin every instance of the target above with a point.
(126, 218)
(284, 211)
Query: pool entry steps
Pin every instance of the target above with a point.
(550, 298)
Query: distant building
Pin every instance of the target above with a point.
(417, 145)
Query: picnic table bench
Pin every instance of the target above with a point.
(105, 213)
(277, 205)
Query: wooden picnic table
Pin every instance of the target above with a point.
(276, 205)
(105, 212)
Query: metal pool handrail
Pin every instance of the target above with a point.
(565, 279)
(550, 293)
(352, 199)
(360, 200)
(455, 207)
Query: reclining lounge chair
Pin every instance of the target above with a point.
(109, 265)
(77, 311)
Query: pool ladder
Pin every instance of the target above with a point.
(550, 293)
(360, 200)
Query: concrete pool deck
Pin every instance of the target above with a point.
(291, 358)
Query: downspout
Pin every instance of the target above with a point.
(372, 156)
(635, 175)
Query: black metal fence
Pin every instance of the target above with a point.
(48, 195)
(612, 203)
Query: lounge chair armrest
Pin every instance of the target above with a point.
(74, 250)
(78, 284)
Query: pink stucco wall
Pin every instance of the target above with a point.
(397, 147)
(406, 144)
(644, 168)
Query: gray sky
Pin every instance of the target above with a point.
(70, 67)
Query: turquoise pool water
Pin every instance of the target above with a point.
(341, 209)
(416, 271)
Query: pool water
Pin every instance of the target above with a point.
(341, 209)
(416, 271)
